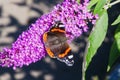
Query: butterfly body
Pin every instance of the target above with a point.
(56, 44)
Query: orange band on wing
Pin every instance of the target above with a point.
(64, 54)
(58, 30)
(50, 53)
(45, 37)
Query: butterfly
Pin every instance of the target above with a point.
(56, 45)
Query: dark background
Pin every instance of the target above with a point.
(17, 15)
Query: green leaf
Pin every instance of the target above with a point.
(92, 3)
(116, 21)
(99, 7)
(97, 36)
(114, 54)
(78, 1)
(115, 49)
(117, 37)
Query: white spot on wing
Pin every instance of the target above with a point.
(61, 26)
(71, 56)
(66, 59)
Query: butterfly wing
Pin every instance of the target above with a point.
(68, 60)
(56, 44)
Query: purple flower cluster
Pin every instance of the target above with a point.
(29, 47)
(74, 16)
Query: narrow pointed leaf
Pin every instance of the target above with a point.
(99, 7)
(97, 36)
(92, 3)
(115, 49)
(116, 21)
(114, 54)
(117, 37)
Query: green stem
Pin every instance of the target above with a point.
(111, 4)
(84, 61)
(115, 2)
(83, 69)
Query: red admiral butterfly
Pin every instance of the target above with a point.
(56, 44)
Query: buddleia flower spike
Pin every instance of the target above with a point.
(29, 46)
